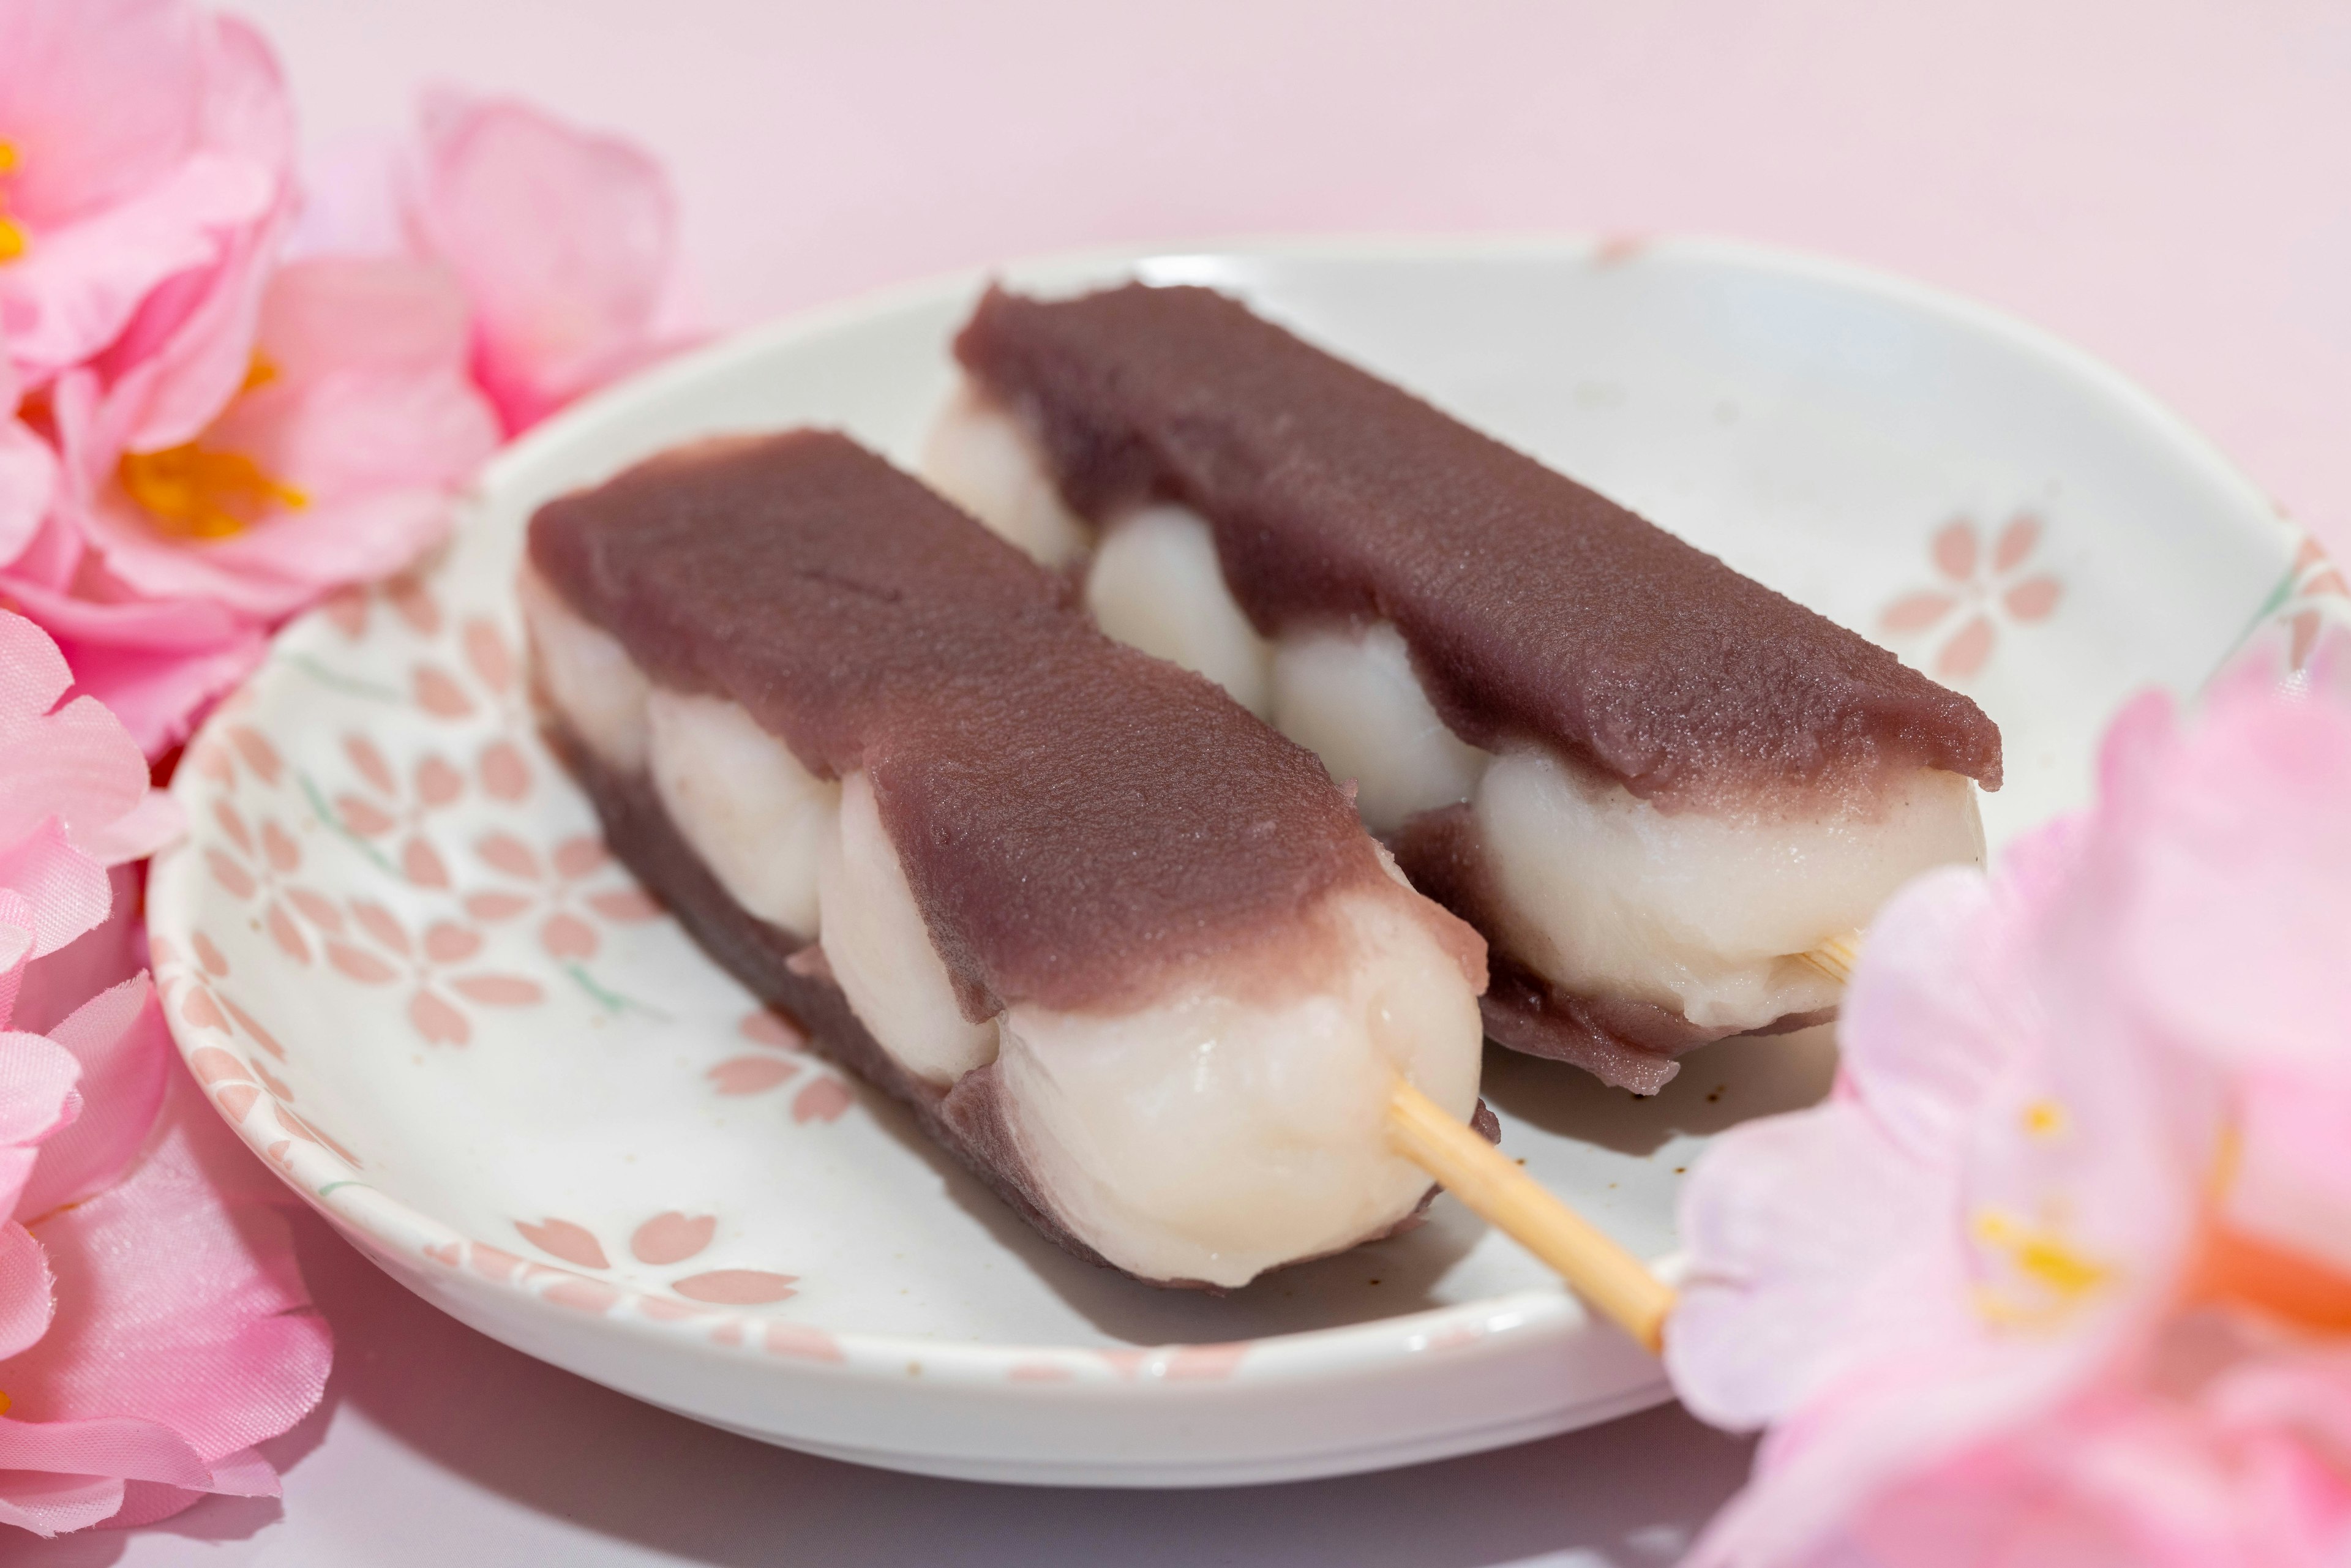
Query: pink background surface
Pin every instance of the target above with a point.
(2163, 183)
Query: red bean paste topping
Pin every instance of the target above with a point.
(1075, 817)
(1534, 608)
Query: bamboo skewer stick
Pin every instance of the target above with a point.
(1617, 1284)
(1491, 1182)
(1836, 956)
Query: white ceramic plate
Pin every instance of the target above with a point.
(394, 953)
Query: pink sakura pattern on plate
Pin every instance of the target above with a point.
(390, 808)
(200, 1006)
(666, 1240)
(505, 772)
(2314, 591)
(426, 963)
(352, 609)
(503, 767)
(237, 1084)
(1981, 589)
(554, 881)
(822, 1099)
(216, 755)
(265, 860)
(496, 685)
(557, 892)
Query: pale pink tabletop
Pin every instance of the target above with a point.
(2162, 182)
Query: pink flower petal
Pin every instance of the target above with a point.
(564, 242)
(186, 348)
(79, 287)
(143, 830)
(188, 1311)
(49, 1505)
(327, 315)
(118, 1446)
(124, 1052)
(154, 665)
(115, 104)
(29, 476)
(77, 764)
(68, 892)
(25, 1291)
(37, 1089)
(2234, 843)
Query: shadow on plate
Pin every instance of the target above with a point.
(1720, 1085)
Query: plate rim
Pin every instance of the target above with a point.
(1305, 1357)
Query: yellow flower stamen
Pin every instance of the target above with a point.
(2045, 1119)
(2054, 1279)
(259, 373)
(6, 1403)
(12, 238)
(194, 494)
